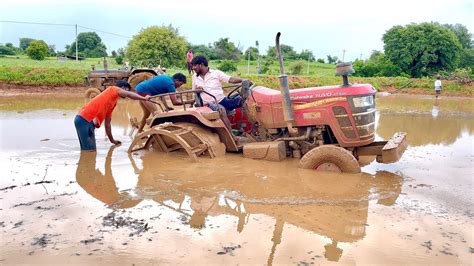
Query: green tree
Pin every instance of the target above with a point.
(422, 49)
(37, 50)
(52, 50)
(6, 50)
(157, 46)
(332, 59)
(203, 50)
(286, 51)
(306, 54)
(226, 49)
(252, 52)
(467, 58)
(463, 34)
(25, 42)
(88, 43)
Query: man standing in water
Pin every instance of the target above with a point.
(438, 86)
(99, 110)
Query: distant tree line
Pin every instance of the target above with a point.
(414, 50)
(418, 50)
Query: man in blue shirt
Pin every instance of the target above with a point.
(159, 85)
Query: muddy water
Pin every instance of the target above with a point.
(61, 205)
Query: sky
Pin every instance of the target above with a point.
(352, 29)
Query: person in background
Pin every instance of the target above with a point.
(99, 110)
(437, 86)
(159, 85)
(189, 59)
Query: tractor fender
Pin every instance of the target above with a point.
(195, 116)
(151, 71)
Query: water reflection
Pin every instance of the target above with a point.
(101, 186)
(330, 205)
(435, 109)
(426, 121)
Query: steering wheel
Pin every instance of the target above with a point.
(234, 92)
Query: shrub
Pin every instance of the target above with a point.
(227, 66)
(37, 50)
(297, 67)
(119, 59)
(267, 62)
(5, 50)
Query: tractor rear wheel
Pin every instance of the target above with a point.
(167, 137)
(330, 158)
(134, 79)
(91, 93)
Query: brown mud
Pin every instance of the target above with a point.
(109, 207)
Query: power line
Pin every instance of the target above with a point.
(37, 23)
(69, 25)
(118, 35)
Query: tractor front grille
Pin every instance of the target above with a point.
(364, 119)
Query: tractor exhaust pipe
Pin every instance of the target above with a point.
(285, 91)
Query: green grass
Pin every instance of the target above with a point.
(53, 62)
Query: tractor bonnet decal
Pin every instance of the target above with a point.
(318, 103)
(317, 95)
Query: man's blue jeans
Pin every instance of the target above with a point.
(85, 133)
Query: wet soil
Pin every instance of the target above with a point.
(7, 89)
(109, 207)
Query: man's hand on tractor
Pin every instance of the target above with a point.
(246, 88)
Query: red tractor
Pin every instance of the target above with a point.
(327, 127)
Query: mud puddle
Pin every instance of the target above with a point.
(58, 204)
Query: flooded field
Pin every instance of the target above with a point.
(59, 205)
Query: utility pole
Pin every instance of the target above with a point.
(248, 62)
(343, 54)
(258, 57)
(307, 69)
(77, 59)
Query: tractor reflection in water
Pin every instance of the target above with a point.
(330, 205)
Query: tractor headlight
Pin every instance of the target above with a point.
(363, 101)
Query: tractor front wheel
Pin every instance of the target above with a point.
(330, 158)
(91, 93)
(134, 79)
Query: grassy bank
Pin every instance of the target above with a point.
(52, 72)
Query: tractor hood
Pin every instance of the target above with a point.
(306, 95)
(311, 106)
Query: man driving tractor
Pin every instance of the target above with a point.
(210, 81)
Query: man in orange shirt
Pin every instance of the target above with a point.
(99, 110)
